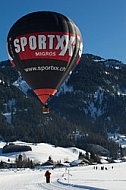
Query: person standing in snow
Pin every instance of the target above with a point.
(47, 175)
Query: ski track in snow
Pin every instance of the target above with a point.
(67, 178)
(54, 186)
(79, 178)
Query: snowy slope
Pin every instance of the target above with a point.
(75, 178)
(41, 152)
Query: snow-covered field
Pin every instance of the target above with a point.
(84, 177)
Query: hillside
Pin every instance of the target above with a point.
(96, 95)
(40, 152)
(91, 103)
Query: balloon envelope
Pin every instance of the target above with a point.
(44, 47)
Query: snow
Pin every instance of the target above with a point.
(118, 138)
(41, 152)
(67, 178)
(65, 88)
(22, 85)
(8, 117)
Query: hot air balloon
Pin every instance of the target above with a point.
(44, 47)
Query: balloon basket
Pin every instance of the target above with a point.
(45, 109)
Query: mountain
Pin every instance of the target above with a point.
(95, 95)
(91, 103)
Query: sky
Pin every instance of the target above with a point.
(102, 23)
(71, 178)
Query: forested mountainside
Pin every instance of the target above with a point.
(95, 95)
(91, 103)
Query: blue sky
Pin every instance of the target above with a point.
(101, 22)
